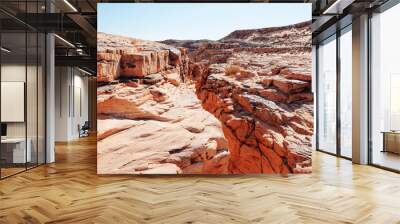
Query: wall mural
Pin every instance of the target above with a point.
(238, 104)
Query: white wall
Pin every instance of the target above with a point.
(80, 103)
(33, 127)
(70, 84)
(11, 73)
(360, 89)
(61, 103)
(16, 73)
(50, 92)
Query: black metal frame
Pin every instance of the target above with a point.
(44, 57)
(339, 32)
(316, 97)
(317, 94)
(342, 31)
(369, 115)
(389, 4)
(338, 97)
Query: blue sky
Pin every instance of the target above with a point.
(152, 21)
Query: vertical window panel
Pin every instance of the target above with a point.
(327, 95)
(346, 93)
(385, 89)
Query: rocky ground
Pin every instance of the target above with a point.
(242, 104)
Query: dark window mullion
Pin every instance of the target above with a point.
(316, 96)
(338, 74)
(369, 100)
(26, 87)
(37, 91)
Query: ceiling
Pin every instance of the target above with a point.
(75, 22)
(331, 15)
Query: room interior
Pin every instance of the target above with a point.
(25, 69)
(22, 101)
(335, 91)
(385, 81)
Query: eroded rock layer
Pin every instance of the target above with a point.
(149, 120)
(262, 95)
(242, 104)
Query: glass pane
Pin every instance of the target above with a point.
(31, 98)
(13, 86)
(31, 87)
(346, 94)
(23, 82)
(41, 98)
(385, 84)
(327, 96)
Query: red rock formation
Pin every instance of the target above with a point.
(107, 66)
(149, 120)
(182, 109)
(121, 57)
(266, 107)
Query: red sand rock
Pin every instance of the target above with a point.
(172, 109)
(271, 120)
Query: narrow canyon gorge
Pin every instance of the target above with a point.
(241, 104)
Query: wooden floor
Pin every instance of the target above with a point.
(387, 159)
(69, 191)
(5, 172)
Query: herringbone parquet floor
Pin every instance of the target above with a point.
(69, 191)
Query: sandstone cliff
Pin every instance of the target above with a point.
(261, 93)
(149, 120)
(242, 104)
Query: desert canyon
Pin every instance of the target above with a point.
(239, 105)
